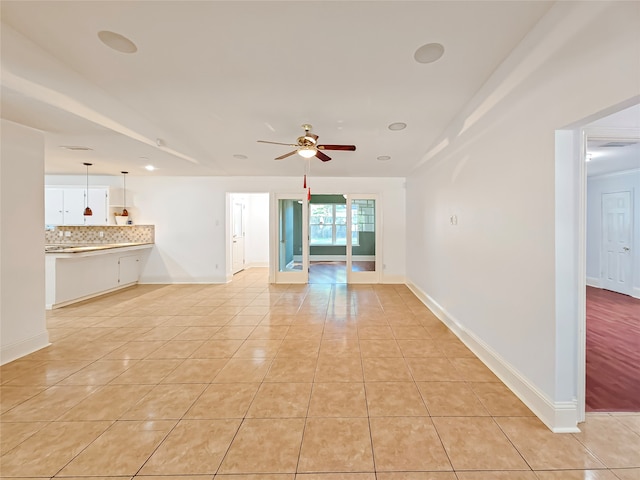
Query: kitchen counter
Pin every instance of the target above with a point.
(92, 248)
(77, 272)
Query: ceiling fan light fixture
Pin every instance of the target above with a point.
(307, 151)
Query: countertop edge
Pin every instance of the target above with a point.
(99, 251)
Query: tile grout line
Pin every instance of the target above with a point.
(313, 382)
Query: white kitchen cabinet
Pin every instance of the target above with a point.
(53, 206)
(128, 269)
(72, 277)
(65, 206)
(99, 203)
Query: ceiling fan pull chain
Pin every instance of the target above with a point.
(305, 182)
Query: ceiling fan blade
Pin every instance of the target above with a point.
(322, 156)
(278, 143)
(350, 148)
(285, 155)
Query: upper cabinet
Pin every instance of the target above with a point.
(65, 206)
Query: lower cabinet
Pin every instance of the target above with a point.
(75, 277)
(128, 269)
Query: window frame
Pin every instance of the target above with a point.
(333, 226)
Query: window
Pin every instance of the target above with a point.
(328, 224)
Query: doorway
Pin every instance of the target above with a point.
(572, 258)
(247, 231)
(612, 361)
(326, 239)
(238, 208)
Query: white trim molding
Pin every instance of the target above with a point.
(593, 282)
(393, 279)
(9, 353)
(620, 173)
(256, 265)
(560, 417)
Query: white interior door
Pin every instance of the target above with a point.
(616, 242)
(290, 235)
(363, 244)
(237, 236)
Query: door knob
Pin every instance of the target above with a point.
(626, 249)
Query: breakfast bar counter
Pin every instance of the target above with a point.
(78, 272)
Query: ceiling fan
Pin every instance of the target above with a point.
(308, 147)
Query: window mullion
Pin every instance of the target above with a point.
(333, 226)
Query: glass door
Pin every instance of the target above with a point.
(363, 264)
(291, 252)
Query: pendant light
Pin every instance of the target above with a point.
(125, 213)
(87, 210)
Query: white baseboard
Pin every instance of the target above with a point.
(9, 353)
(593, 282)
(256, 265)
(596, 283)
(50, 306)
(560, 417)
(393, 279)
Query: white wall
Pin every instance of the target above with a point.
(189, 214)
(596, 186)
(22, 294)
(492, 276)
(257, 233)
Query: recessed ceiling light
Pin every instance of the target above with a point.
(117, 42)
(429, 53)
(384, 158)
(75, 147)
(151, 168)
(239, 156)
(397, 126)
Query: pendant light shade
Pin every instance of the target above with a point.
(125, 213)
(87, 209)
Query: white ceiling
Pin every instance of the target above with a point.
(613, 142)
(210, 78)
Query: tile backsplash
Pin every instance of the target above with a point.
(79, 234)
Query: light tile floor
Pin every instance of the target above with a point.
(256, 381)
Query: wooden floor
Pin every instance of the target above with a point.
(613, 351)
(335, 272)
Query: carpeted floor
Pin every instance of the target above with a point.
(613, 352)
